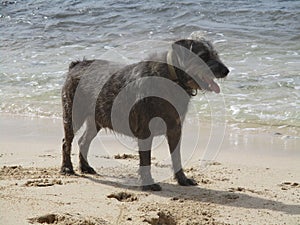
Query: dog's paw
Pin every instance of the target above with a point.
(67, 170)
(151, 187)
(187, 182)
(183, 180)
(87, 170)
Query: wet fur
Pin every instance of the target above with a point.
(114, 78)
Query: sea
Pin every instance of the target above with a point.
(259, 40)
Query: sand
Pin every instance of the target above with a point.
(254, 179)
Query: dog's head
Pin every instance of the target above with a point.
(199, 58)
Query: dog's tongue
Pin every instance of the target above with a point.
(213, 86)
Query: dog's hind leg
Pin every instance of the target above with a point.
(145, 165)
(174, 140)
(84, 144)
(67, 167)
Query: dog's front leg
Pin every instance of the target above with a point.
(174, 139)
(147, 181)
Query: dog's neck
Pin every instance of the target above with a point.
(174, 76)
(171, 68)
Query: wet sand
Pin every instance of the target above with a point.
(252, 178)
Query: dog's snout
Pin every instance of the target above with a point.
(218, 68)
(225, 71)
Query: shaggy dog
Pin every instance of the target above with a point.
(98, 93)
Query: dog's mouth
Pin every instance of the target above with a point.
(204, 83)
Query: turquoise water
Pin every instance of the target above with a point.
(258, 40)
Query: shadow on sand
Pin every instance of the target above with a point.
(197, 193)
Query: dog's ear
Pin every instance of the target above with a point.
(181, 51)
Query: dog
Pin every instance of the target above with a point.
(84, 101)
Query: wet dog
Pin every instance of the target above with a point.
(93, 94)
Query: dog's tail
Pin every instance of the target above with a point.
(80, 63)
(73, 64)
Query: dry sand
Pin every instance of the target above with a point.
(253, 180)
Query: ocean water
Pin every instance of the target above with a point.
(259, 40)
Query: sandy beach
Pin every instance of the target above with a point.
(241, 146)
(254, 179)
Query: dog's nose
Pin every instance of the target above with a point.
(225, 71)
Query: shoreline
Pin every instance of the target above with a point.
(45, 135)
(255, 172)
